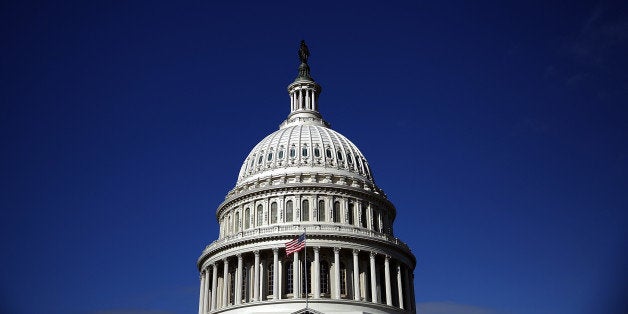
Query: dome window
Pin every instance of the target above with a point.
(292, 152)
(280, 154)
(304, 151)
(259, 160)
(317, 152)
(339, 155)
(328, 153)
(349, 159)
(270, 156)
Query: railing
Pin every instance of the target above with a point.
(310, 229)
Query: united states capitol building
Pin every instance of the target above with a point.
(306, 178)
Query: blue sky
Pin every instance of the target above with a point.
(498, 129)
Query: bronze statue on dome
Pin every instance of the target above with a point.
(304, 53)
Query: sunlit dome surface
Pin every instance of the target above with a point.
(306, 148)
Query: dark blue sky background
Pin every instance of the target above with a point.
(499, 131)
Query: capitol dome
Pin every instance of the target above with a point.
(306, 181)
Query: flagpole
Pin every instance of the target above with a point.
(305, 263)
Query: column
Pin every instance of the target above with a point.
(316, 273)
(399, 287)
(295, 275)
(373, 280)
(370, 217)
(262, 281)
(356, 276)
(201, 297)
(214, 282)
(412, 300)
(225, 276)
(238, 281)
(276, 273)
(337, 272)
(256, 277)
(387, 278)
(407, 287)
(207, 292)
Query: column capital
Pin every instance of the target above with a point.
(239, 255)
(356, 251)
(316, 248)
(373, 254)
(256, 252)
(275, 250)
(387, 257)
(336, 249)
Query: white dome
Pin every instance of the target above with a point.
(304, 147)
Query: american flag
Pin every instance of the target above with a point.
(295, 245)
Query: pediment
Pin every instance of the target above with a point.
(307, 311)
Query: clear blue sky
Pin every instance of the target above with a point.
(499, 131)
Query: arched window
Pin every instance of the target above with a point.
(289, 277)
(328, 153)
(336, 212)
(351, 213)
(321, 210)
(317, 152)
(304, 151)
(343, 279)
(247, 218)
(292, 152)
(270, 281)
(273, 212)
(362, 216)
(305, 210)
(289, 211)
(325, 278)
(237, 222)
(245, 281)
(309, 278)
(260, 215)
(231, 287)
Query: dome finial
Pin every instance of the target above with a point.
(304, 68)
